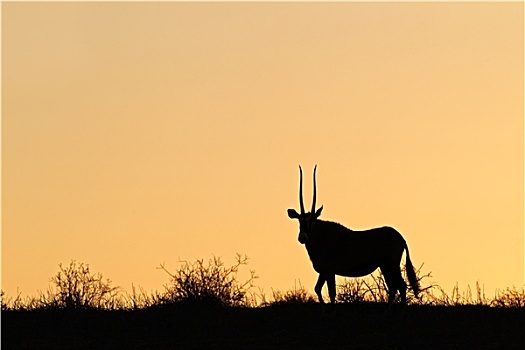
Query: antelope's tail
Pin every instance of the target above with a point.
(411, 273)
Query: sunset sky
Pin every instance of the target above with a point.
(140, 133)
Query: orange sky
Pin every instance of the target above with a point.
(140, 133)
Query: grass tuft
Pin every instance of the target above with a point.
(298, 295)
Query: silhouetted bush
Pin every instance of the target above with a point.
(211, 283)
(77, 288)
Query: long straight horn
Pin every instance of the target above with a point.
(301, 190)
(313, 202)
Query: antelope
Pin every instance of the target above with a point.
(337, 250)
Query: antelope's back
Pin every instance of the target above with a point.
(337, 247)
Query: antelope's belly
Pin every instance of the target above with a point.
(346, 269)
(356, 271)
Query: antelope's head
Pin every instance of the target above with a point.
(305, 219)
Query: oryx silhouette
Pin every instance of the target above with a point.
(337, 250)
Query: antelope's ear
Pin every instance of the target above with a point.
(318, 212)
(292, 214)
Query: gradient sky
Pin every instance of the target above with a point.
(140, 133)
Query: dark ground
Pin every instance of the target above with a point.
(304, 326)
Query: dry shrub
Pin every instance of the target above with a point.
(78, 288)
(209, 283)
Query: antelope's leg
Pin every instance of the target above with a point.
(330, 281)
(319, 287)
(403, 291)
(391, 282)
